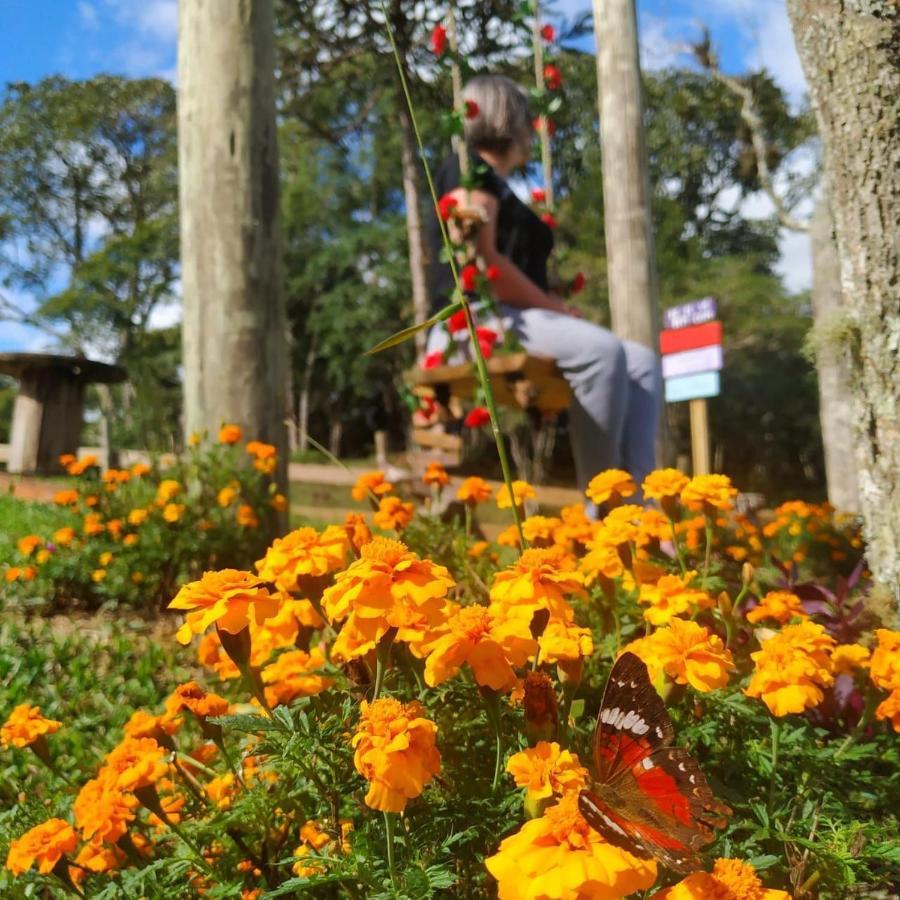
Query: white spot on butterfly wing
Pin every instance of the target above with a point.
(647, 763)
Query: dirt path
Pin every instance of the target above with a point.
(22, 487)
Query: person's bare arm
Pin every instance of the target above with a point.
(511, 286)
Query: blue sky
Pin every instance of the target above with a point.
(80, 38)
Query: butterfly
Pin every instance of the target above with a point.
(649, 797)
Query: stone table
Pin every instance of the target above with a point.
(49, 406)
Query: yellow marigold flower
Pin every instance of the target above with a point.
(884, 669)
(540, 531)
(246, 516)
(221, 790)
(295, 673)
(137, 516)
(66, 497)
(137, 763)
(779, 605)
(370, 483)
(227, 495)
(393, 514)
(201, 703)
(138, 470)
(664, 484)
(672, 596)
(847, 658)
(28, 544)
(25, 725)
(490, 645)
(64, 536)
(387, 587)
(653, 525)
(707, 493)
(564, 642)
(266, 465)
(601, 559)
(889, 709)
(611, 487)
(687, 653)
(102, 810)
(731, 879)
(539, 579)
(620, 528)
(395, 752)
(521, 490)
(230, 434)
(166, 490)
(474, 490)
(545, 770)
(560, 857)
(226, 598)
(45, 844)
(144, 724)
(792, 668)
(575, 525)
(509, 537)
(303, 553)
(195, 438)
(436, 474)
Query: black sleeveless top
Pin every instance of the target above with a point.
(521, 236)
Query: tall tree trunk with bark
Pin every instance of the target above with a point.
(412, 194)
(631, 266)
(850, 53)
(832, 364)
(235, 330)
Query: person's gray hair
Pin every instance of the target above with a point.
(503, 119)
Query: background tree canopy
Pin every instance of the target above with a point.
(88, 225)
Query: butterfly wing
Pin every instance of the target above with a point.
(663, 806)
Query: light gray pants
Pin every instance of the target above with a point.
(617, 387)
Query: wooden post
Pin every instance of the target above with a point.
(626, 188)
(699, 436)
(235, 328)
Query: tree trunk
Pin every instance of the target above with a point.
(631, 267)
(850, 52)
(235, 346)
(832, 364)
(418, 268)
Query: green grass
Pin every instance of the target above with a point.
(21, 517)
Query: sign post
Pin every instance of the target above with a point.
(691, 347)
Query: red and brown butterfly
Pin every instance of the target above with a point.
(649, 797)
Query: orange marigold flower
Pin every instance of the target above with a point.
(66, 497)
(687, 653)
(139, 469)
(230, 434)
(436, 474)
(565, 642)
(80, 466)
(731, 879)
(889, 709)
(575, 525)
(166, 490)
(303, 553)
(611, 487)
(474, 490)
(196, 700)
(792, 668)
(490, 645)
(370, 483)
(546, 769)
(279, 502)
(261, 451)
(246, 516)
(393, 514)
(137, 763)
(707, 493)
(45, 844)
(779, 605)
(25, 725)
(172, 512)
(521, 491)
(102, 810)
(540, 531)
(28, 544)
(226, 598)
(560, 857)
(295, 673)
(98, 858)
(477, 549)
(357, 530)
(387, 587)
(601, 559)
(664, 484)
(884, 669)
(395, 752)
(539, 579)
(144, 724)
(221, 790)
(227, 495)
(672, 596)
(847, 658)
(64, 536)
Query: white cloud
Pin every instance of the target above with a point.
(165, 316)
(87, 13)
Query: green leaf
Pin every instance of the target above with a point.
(401, 336)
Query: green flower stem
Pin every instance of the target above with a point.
(775, 726)
(709, 538)
(480, 365)
(382, 653)
(492, 705)
(389, 840)
(568, 696)
(679, 552)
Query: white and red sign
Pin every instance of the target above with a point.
(691, 348)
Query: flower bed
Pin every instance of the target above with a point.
(412, 713)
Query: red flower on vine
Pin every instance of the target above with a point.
(457, 322)
(468, 277)
(549, 220)
(446, 205)
(432, 360)
(493, 273)
(577, 284)
(477, 417)
(487, 337)
(471, 109)
(552, 77)
(439, 40)
(538, 195)
(548, 33)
